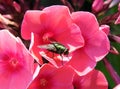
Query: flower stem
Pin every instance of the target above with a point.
(112, 72)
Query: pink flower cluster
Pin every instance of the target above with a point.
(54, 31)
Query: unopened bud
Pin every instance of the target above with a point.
(107, 1)
(97, 5)
(107, 4)
(115, 38)
(6, 21)
(105, 28)
(17, 6)
(113, 50)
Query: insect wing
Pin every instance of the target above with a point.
(50, 47)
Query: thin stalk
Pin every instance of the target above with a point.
(111, 71)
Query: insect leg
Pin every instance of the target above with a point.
(62, 59)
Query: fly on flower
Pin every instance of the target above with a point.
(56, 47)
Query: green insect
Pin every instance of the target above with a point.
(56, 47)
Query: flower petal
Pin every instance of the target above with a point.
(117, 86)
(81, 62)
(58, 78)
(34, 47)
(8, 39)
(53, 78)
(93, 80)
(94, 38)
(16, 63)
(87, 23)
(100, 43)
(31, 23)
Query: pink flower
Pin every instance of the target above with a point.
(16, 63)
(80, 33)
(53, 23)
(97, 5)
(96, 44)
(50, 77)
(93, 80)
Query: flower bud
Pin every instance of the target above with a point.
(105, 28)
(17, 6)
(113, 50)
(115, 38)
(97, 5)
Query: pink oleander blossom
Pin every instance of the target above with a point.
(16, 63)
(53, 23)
(50, 77)
(96, 44)
(93, 80)
(80, 31)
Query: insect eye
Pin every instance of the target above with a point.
(66, 52)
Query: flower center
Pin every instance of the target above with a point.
(43, 82)
(47, 36)
(13, 62)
